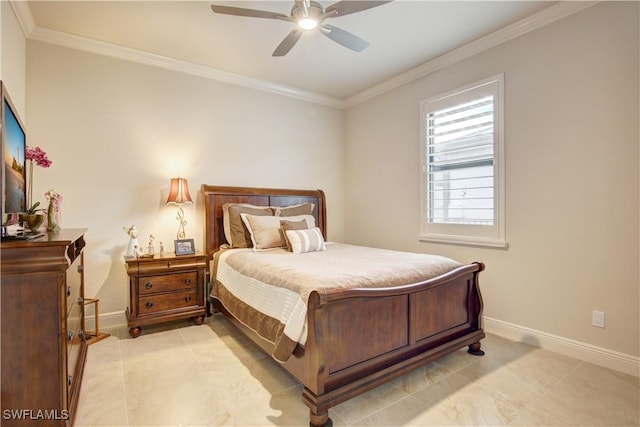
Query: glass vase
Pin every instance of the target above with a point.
(52, 221)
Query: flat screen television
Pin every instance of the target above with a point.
(13, 143)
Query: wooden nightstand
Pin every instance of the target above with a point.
(164, 288)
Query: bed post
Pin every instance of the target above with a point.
(315, 360)
(476, 309)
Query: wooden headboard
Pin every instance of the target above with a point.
(215, 197)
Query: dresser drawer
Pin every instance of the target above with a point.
(155, 303)
(167, 282)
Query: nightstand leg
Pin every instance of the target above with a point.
(199, 320)
(135, 331)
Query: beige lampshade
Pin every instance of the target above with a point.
(179, 192)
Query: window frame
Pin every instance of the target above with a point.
(467, 234)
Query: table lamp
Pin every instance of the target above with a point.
(179, 195)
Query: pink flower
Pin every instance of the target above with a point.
(52, 195)
(39, 156)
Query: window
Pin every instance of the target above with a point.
(462, 152)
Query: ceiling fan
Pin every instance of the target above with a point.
(309, 15)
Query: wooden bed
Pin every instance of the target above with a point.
(414, 324)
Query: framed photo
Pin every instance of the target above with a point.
(184, 247)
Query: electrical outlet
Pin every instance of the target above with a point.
(597, 319)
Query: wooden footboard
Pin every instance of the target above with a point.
(360, 338)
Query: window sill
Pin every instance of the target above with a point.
(464, 241)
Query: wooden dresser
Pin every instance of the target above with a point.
(43, 345)
(164, 288)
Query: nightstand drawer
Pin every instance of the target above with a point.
(155, 303)
(155, 265)
(167, 282)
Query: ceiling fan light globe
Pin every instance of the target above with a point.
(307, 23)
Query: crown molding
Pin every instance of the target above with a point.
(23, 15)
(551, 14)
(142, 57)
(533, 22)
(128, 54)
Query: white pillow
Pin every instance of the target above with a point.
(303, 241)
(265, 230)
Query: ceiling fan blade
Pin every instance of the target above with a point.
(344, 38)
(285, 45)
(252, 13)
(346, 7)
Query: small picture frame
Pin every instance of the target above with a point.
(184, 247)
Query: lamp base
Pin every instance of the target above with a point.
(181, 223)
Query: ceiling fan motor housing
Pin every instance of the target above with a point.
(313, 11)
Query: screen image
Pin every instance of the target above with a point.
(14, 147)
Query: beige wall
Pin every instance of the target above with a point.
(12, 57)
(572, 138)
(117, 131)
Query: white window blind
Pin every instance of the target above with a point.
(460, 163)
(463, 189)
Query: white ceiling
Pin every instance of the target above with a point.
(402, 34)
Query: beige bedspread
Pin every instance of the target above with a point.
(340, 266)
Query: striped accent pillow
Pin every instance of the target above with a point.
(305, 240)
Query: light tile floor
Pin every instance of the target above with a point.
(181, 374)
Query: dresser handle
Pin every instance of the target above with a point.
(80, 268)
(148, 285)
(80, 333)
(69, 335)
(149, 304)
(187, 281)
(187, 299)
(70, 380)
(68, 290)
(80, 301)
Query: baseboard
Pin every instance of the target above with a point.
(589, 353)
(107, 320)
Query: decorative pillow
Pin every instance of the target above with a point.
(264, 231)
(309, 219)
(234, 228)
(303, 241)
(293, 210)
(291, 225)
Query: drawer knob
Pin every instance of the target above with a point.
(187, 281)
(69, 335)
(80, 301)
(148, 285)
(68, 290)
(187, 299)
(149, 304)
(80, 333)
(69, 379)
